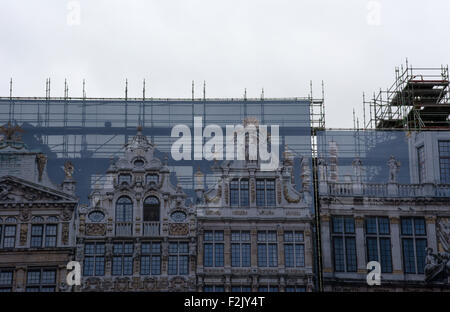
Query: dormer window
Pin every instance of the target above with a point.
(124, 178)
(149, 178)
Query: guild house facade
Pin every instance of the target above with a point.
(37, 219)
(401, 221)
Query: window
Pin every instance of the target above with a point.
(124, 209)
(139, 163)
(444, 161)
(269, 288)
(213, 288)
(421, 163)
(241, 288)
(244, 193)
(213, 249)
(41, 280)
(37, 232)
(178, 258)
(38, 235)
(344, 244)
(9, 236)
(125, 178)
(122, 262)
(265, 193)
(151, 209)
(96, 216)
(267, 249)
(151, 178)
(6, 280)
(379, 242)
(151, 258)
(294, 249)
(414, 242)
(239, 193)
(295, 289)
(94, 259)
(240, 249)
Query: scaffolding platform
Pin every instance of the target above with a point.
(418, 98)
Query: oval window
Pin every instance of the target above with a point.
(139, 163)
(96, 216)
(178, 216)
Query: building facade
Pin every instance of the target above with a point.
(137, 233)
(255, 228)
(403, 225)
(37, 220)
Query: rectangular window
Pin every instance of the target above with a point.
(240, 249)
(234, 193)
(344, 244)
(50, 235)
(37, 233)
(267, 249)
(270, 192)
(94, 259)
(213, 288)
(444, 161)
(294, 249)
(421, 163)
(9, 236)
(41, 280)
(149, 178)
(241, 288)
(414, 242)
(178, 258)
(269, 288)
(295, 289)
(244, 193)
(213, 249)
(239, 193)
(265, 193)
(6, 280)
(151, 258)
(378, 242)
(124, 178)
(260, 193)
(122, 262)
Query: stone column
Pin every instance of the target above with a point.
(280, 248)
(326, 243)
(200, 249)
(254, 248)
(308, 247)
(396, 245)
(360, 245)
(19, 279)
(61, 276)
(431, 232)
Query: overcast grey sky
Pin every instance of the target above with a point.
(235, 44)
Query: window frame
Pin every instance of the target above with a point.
(441, 158)
(379, 236)
(345, 236)
(216, 245)
(97, 259)
(413, 237)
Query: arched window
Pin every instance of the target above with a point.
(151, 209)
(124, 209)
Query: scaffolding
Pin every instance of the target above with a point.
(90, 131)
(418, 99)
